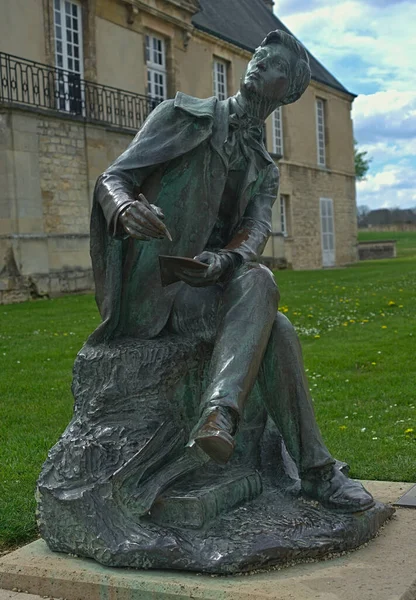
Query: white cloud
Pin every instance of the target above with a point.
(382, 181)
(288, 7)
(384, 152)
(380, 34)
(390, 187)
(369, 45)
(392, 100)
(386, 123)
(387, 115)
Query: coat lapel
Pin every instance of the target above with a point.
(196, 107)
(220, 129)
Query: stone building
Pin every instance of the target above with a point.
(77, 79)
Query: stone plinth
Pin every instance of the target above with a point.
(382, 570)
(115, 485)
(377, 249)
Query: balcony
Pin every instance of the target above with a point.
(44, 88)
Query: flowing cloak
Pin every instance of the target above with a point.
(177, 160)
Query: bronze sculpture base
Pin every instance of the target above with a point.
(120, 487)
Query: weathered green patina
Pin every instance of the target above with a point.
(194, 442)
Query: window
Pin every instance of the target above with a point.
(68, 35)
(320, 131)
(327, 232)
(220, 80)
(68, 54)
(278, 132)
(156, 68)
(283, 220)
(281, 215)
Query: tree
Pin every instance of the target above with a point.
(362, 163)
(362, 213)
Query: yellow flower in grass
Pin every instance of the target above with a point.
(342, 427)
(317, 337)
(392, 303)
(384, 327)
(409, 430)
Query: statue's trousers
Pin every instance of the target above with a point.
(251, 341)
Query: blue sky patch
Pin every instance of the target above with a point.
(369, 46)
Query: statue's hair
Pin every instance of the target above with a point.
(300, 74)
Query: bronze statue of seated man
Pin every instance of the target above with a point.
(198, 182)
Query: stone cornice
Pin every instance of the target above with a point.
(190, 6)
(332, 91)
(212, 39)
(324, 170)
(135, 6)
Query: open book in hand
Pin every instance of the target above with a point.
(171, 265)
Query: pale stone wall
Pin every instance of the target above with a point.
(377, 249)
(122, 63)
(63, 175)
(305, 187)
(22, 29)
(195, 73)
(299, 130)
(49, 164)
(340, 134)
(120, 57)
(305, 182)
(48, 168)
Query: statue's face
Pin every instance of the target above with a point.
(267, 73)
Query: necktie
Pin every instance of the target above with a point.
(248, 127)
(245, 135)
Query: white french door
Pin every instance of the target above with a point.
(68, 54)
(327, 232)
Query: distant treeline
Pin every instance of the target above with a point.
(402, 218)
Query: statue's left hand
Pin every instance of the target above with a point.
(219, 264)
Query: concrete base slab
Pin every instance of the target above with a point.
(383, 569)
(10, 595)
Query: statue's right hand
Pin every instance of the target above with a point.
(141, 221)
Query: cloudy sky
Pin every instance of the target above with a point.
(370, 46)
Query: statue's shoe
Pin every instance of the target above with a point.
(215, 432)
(335, 490)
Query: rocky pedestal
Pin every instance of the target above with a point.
(120, 486)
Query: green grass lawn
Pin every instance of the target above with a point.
(358, 332)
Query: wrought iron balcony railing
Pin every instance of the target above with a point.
(26, 82)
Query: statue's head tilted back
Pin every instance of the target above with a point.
(278, 72)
